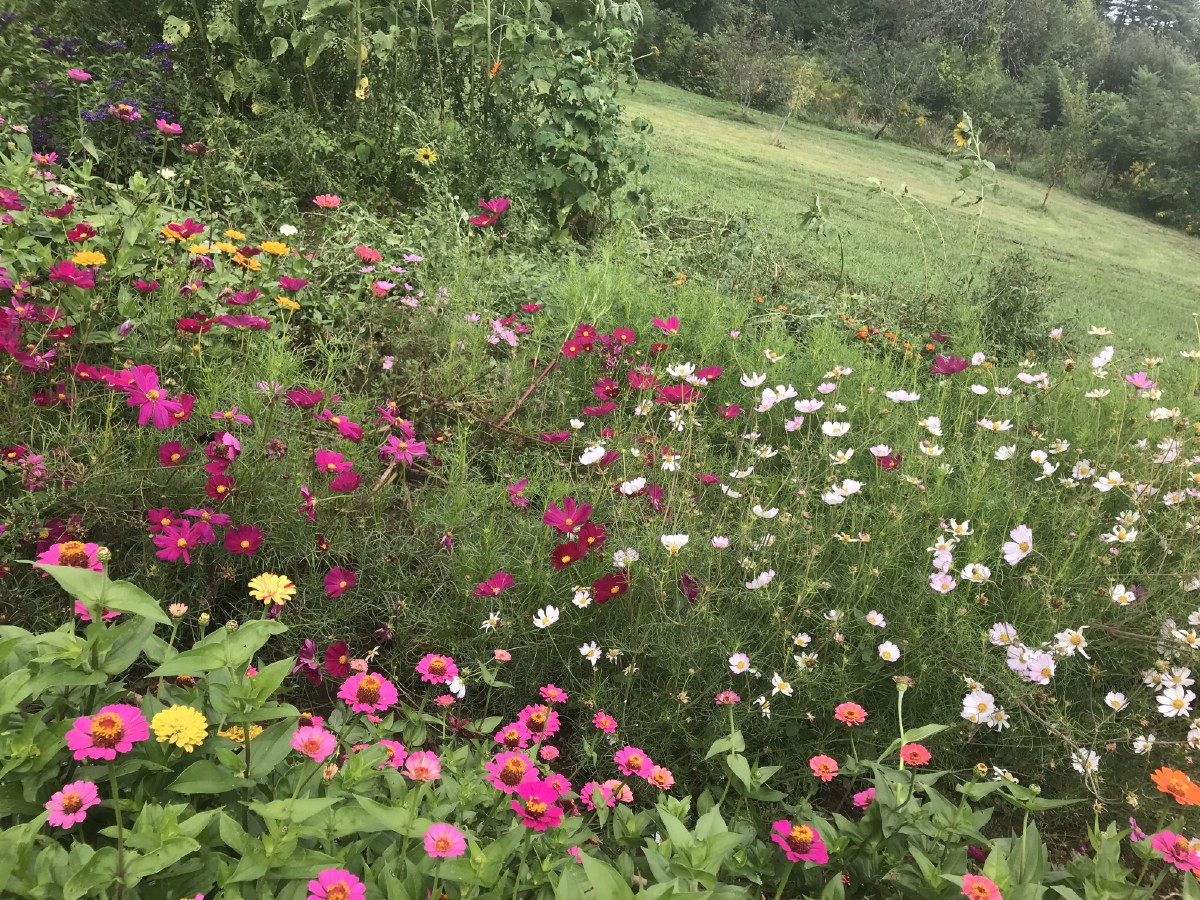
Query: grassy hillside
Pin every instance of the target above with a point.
(1141, 279)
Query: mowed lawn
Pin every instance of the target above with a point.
(1139, 278)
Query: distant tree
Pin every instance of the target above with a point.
(752, 58)
(801, 89)
(891, 75)
(1071, 139)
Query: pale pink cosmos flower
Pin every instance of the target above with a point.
(1020, 546)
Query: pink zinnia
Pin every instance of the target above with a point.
(541, 721)
(397, 753)
(327, 201)
(661, 777)
(537, 807)
(368, 692)
(799, 842)
(112, 730)
(437, 669)
(508, 771)
(1177, 850)
(336, 884)
(165, 127)
(915, 754)
(423, 765)
(314, 742)
(824, 767)
(78, 75)
(850, 714)
(863, 799)
(444, 841)
(588, 794)
(339, 580)
(70, 805)
(633, 761)
(553, 694)
(605, 722)
(976, 887)
(727, 698)
(513, 736)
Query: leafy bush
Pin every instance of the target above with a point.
(1014, 308)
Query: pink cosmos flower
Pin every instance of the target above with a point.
(336, 884)
(863, 799)
(1177, 850)
(947, 365)
(509, 770)
(154, 403)
(402, 450)
(977, 887)
(569, 517)
(668, 326)
(423, 765)
(435, 668)
(337, 660)
(327, 201)
(516, 493)
(494, 586)
(112, 730)
(824, 767)
(69, 806)
(799, 842)
(332, 463)
(68, 273)
(537, 806)
(396, 754)
(314, 742)
(604, 722)
(1020, 546)
(177, 540)
(850, 714)
(368, 692)
(339, 580)
(633, 761)
(444, 841)
(346, 483)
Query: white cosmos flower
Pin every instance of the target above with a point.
(806, 661)
(889, 652)
(1103, 358)
(1099, 330)
(576, 424)
(629, 488)
(833, 498)
(674, 542)
(457, 688)
(288, 230)
(1115, 700)
(801, 640)
(730, 492)
(932, 424)
(876, 618)
(760, 580)
(1097, 393)
(1005, 452)
(681, 370)
(582, 598)
(592, 454)
(1143, 744)
(764, 513)
(978, 389)
(1121, 596)
(978, 705)
(1175, 701)
(976, 572)
(835, 429)
(491, 622)
(841, 457)
(779, 686)
(771, 355)
(546, 616)
(901, 396)
(808, 406)
(739, 664)
(931, 449)
(590, 652)
(1085, 762)
(753, 380)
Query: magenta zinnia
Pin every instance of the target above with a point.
(112, 730)
(336, 884)
(314, 742)
(368, 692)
(508, 771)
(799, 842)
(537, 807)
(435, 668)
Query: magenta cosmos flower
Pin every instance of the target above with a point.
(492, 210)
(494, 586)
(508, 771)
(245, 540)
(569, 517)
(339, 580)
(443, 841)
(114, 729)
(70, 805)
(537, 806)
(437, 669)
(799, 842)
(368, 692)
(336, 884)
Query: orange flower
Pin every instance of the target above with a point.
(1178, 785)
(495, 68)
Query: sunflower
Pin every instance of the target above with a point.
(426, 156)
(962, 135)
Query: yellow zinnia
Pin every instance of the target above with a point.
(225, 247)
(275, 248)
(234, 235)
(287, 303)
(236, 734)
(168, 232)
(271, 588)
(249, 263)
(182, 726)
(89, 258)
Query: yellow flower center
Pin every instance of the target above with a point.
(71, 803)
(107, 729)
(442, 843)
(513, 772)
(800, 839)
(152, 394)
(368, 690)
(536, 808)
(73, 553)
(339, 891)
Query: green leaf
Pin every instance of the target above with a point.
(203, 658)
(172, 850)
(205, 777)
(605, 880)
(294, 811)
(279, 46)
(740, 768)
(98, 872)
(681, 838)
(733, 743)
(126, 597)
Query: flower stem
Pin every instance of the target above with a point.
(786, 877)
(112, 780)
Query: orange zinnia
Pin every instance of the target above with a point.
(1178, 785)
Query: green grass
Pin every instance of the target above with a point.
(1109, 268)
